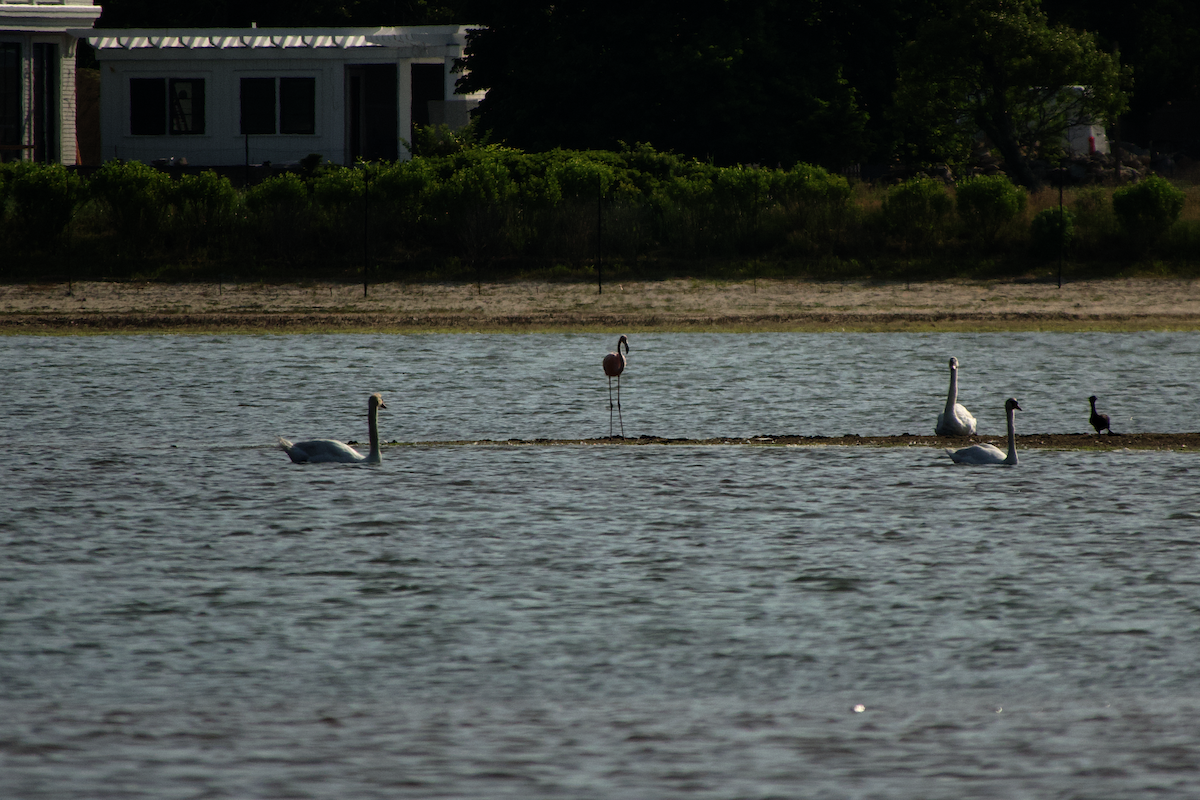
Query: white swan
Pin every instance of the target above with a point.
(955, 420)
(990, 454)
(325, 450)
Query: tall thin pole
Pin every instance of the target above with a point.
(366, 217)
(599, 224)
(70, 281)
(1062, 230)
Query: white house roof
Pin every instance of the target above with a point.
(46, 15)
(426, 38)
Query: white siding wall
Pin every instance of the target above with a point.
(223, 57)
(222, 142)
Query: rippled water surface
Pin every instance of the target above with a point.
(186, 614)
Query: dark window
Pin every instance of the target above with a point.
(297, 105)
(147, 106)
(187, 105)
(10, 101)
(258, 105)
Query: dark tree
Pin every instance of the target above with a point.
(753, 82)
(1158, 39)
(999, 67)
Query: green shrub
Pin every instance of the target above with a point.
(810, 186)
(207, 200)
(474, 206)
(577, 175)
(335, 188)
(45, 198)
(7, 170)
(277, 220)
(812, 206)
(136, 196)
(986, 204)
(1146, 210)
(283, 194)
(441, 140)
(914, 212)
(1051, 232)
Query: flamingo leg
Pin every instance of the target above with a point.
(610, 406)
(618, 411)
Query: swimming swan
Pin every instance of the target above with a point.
(955, 420)
(990, 454)
(325, 450)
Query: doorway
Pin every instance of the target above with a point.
(371, 112)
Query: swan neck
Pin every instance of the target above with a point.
(1012, 439)
(373, 432)
(952, 395)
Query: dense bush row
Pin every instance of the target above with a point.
(496, 212)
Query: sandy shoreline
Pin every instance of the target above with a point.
(100, 307)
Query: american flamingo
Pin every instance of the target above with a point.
(1099, 421)
(614, 365)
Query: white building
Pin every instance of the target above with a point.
(37, 77)
(1086, 136)
(224, 97)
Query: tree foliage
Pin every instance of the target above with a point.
(756, 81)
(1000, 68)
(1159, 39)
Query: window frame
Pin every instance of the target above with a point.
(292, 100)
(195, 114)
(153, 102)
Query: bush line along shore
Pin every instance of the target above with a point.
(489, 213)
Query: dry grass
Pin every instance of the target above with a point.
(671, 305)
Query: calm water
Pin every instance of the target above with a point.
(186, 614)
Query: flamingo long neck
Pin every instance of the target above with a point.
(1012, 439)
(952, 395)
(373, 430)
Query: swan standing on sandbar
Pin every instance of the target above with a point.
(955, 420)
(990, 454)
(614, 365)
(331, 450)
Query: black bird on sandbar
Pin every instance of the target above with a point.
(1099, 421)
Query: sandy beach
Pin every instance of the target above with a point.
(681, 305)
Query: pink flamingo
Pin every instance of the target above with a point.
(614, 365)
